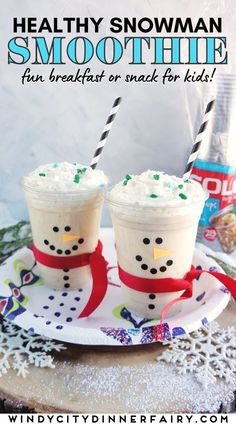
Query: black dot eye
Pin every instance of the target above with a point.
(46, 242)
(159, 240)
(75, 247)
(144, 267)
(67, 228)
(138, 258)
(153, 270)
(81, 240)
(169, 263)
(146, 240)
(163, 268)
(55, 229)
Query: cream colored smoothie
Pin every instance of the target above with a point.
(155, 218)
(65, 203)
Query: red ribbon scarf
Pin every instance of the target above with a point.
(167, 285)
(98, 266)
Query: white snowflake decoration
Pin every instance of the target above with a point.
(208, 353)
(19, 349)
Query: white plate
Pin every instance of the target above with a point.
(25, 300)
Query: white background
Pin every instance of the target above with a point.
(49, 123)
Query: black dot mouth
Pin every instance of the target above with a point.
(163, 268)
(154, 271)
(67, 251)
(138, 258)
(144, 267)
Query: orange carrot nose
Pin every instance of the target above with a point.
(70, 237)
(159, 253)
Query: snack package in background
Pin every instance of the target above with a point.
(225, 225)
(217, 225)
(215, 167)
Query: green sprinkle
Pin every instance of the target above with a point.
(41, 174)
(55, 165)
(156, 177)
(153, 196)
(181, 186)
(77, 179)
(127, 178)
(183, 196)
(81, 171)
(188, 181)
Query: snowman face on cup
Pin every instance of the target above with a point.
(63, 241)
(159, 258)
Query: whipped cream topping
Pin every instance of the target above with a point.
(65, 176)
(156, 188)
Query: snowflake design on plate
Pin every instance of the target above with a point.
(208, 353)
(19, 349)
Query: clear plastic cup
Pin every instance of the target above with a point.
(154, 242)
(65, 224)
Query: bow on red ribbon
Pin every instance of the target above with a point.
(167, 285)
(98, 266)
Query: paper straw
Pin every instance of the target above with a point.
(198, 140)
(105, 132)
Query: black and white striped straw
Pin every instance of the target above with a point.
(198, 140)
(105, 132)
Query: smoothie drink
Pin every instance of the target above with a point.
(65, 203)
(155, 218)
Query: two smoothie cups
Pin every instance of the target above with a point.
(154, 238)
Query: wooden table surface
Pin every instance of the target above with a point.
(49, 390)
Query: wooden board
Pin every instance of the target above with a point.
(64, 388)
